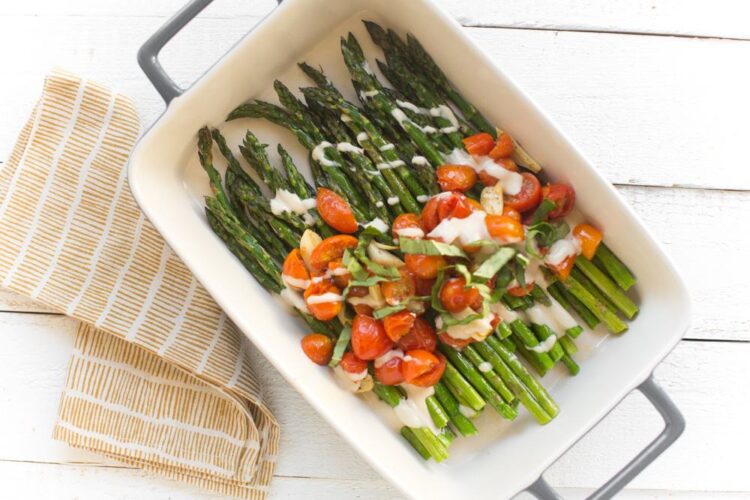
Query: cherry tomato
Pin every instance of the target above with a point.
(456, 177)
(336, 211)
(590, 238)
(398, 324)
(455, 343)
(487, 179)
(455, 206)
(491, 180)
(422, 368)
(512, 213)
(369, 340)
(350, 363)
(529, 196)
(479, 144)
(518, 291)
(503, 147)
(318, 347)
(324, 311)
(401, 290)
(407, 221)
(330, 249)
(563, 269)
(421, 336)
(504, 228)
(455, 297)
(424, 266)
(360, 291)
(564, 197)
(341, 276)
(294, 267)
(390, 373)
(424, 285)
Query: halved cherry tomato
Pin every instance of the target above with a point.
(564, 197)
(421, 336)
(455, 297)
(518, 291)
(390, 373)
(442, 206)
(424, 285)
(317, 347)
(324, 311)
(563, 269)
(512, 212)
(336, 211)
(398, 324)
(590, 238)
(341, 276)
(422, 368)
(294, 268)
(330, 249)
(369, 340)
(401, 290)
(456, 177)
(455, 343)
(479, 144)
(503, 146)
(487, 179)
(529, 196)
(407, 221)
(504, 228)
(424, 266)
(491, 180)
(350, 363)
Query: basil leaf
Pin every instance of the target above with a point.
(435, 295)
(354, 267)
(341, 344)
(387, 311)
(492, 265)
(542, 211)
(545, 233)
(430, 247)
(387, 272)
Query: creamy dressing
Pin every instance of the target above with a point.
(412, 411)
(412, 107)
(485, 366)
(466, 411)
(533, 272)
(390, 164)
(444, 111)
(562, 249)
(324, 298)
(477, 329)
(410, 232)
(392, 200)
(362, 137)
(387, 147)
(507, 315)
(345, 147)
(286, 201)
(422, 198)
(464, 231)
(393, 353)
(368, 94)
(319, 155)
(420, 161)
(544, 346)
(378, 224)
(511, 181)
(294, 299)
(295, 282)
(379, 204)
(345, 118)
(345, 379)
(561, 315)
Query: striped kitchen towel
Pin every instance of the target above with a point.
(159, 376)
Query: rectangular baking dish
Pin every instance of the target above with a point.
(506, 457)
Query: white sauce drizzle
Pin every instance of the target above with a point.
(345, 147)
(324, 298)
(319, 155)
(420, 161)
(507, 315)
(387, 147)
(286, 201)
(345, 118)
(390, 164)
(422, 198)
(477, 329)
(362, 137)
(410, 232)
(368, 94)
(295, 282)
(378, 224)
(545, 345)
(465, 231)
(294, 299)
(466, 411)
(485, 366)
(412, 107)
(447, 113)
(560, 250)
(393, 353)
(345, 381)
(379, 204)
(412, 411)
(392, 200)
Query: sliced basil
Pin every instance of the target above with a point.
(545, 233)
(353, 265)
(341, 344)
(430, 247)
(542, 211)
(387, 311)
(492, 265)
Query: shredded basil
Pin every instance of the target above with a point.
(492, 265)
(387, 311)
(545, 234)
(341, 344)
(542, 211)
(430, 247)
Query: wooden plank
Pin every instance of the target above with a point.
(703, 377)
(647, 110)
(718, 18)
(676, 216)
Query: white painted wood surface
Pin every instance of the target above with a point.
(664, 117)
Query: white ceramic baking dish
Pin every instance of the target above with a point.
(504, 458)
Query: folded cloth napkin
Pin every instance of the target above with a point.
(159, 376)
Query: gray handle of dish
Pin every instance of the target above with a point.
(148, 55)
(674, 425)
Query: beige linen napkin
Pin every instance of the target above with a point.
(159, 376)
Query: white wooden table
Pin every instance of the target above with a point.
(656, 92)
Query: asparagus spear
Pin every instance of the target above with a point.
(607, 287)
(491, 376)
(458, 419)
(603, 313)
(608, 261)
(569, 301)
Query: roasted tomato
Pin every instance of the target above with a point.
(504, 228)
(330, 249)
(503, 147)
(331, 305)
(529, 196)
(425, 266)
(512, 213)
(455, 343)
(369, 340)
(341, 276)
(294, 272)
(479, 144)
(421, 336)
(390, 372)
(564, 197)
(518, 291)
(455, 297)
(590, 238)
(443, 206)
(563, 269)
(336, 211)
(398, 324)
(317, 347)
(422, 368)
(456, 177)
(424, 286)
(399, 291)
(350, 363)
(408, 226)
